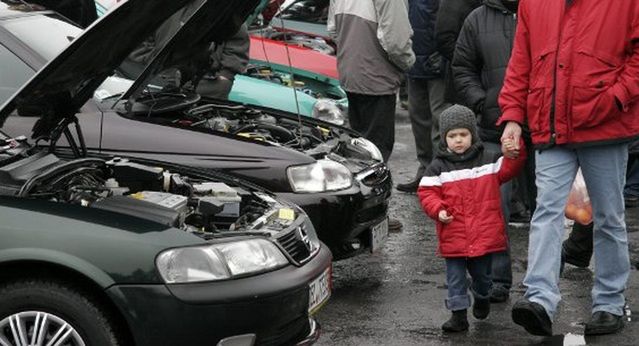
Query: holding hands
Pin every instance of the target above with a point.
(510, 140)
(509, 148)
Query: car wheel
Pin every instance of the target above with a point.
(40, 312)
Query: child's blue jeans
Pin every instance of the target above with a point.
(479, 269)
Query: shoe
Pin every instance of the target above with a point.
(410, 186)
(631, 201)
(481, 308)
(394, 226)
(458, 322)
(568, 256)
(499, 295)
(532, 317)
(603, 322)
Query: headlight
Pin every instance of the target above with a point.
(368, 146)
(219, 261)
(323, 175)
(327, 110)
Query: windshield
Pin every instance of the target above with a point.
(46, 35)
(310, 11)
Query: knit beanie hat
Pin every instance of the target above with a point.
(457, 117)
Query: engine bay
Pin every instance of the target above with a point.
(194, 204)
(251, 123)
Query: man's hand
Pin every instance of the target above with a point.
(444, 217)
(509, 148)
(512, 132)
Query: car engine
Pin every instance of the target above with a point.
(190, 203)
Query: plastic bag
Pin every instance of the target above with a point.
(578, 207)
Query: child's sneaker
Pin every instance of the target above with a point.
(457, 323)
(481, 308)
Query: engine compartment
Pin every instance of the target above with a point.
(251, 123)
(194, 204)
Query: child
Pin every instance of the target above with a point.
(460, 190)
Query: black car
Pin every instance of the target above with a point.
(101, 250)
(336, 176)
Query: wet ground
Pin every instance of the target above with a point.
(395, 297)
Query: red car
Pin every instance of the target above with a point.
(301, 58)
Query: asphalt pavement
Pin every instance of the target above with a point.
(396, 296)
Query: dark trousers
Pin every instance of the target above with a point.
(425, 104)
(457, 282)
(373, 116)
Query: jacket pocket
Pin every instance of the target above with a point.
(536, 109)
(592, 106)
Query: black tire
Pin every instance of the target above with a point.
(79, 310)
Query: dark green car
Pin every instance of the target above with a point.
(99, 250)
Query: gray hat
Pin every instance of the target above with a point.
(456, 117)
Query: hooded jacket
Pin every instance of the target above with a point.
(373, 44)
(480, 60)
(574, 72)
(467, 187)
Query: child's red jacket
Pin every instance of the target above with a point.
(467, 187)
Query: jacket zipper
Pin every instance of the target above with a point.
(553, 100)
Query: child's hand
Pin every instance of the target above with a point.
(444, 217)
(509, 148)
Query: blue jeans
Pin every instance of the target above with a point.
(479, 269)
(604, 170)
(501, 272)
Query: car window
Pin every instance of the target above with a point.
(13, 74)
(46, 35)
(310, 11)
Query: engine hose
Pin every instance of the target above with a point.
(36, 179)
(276, 131)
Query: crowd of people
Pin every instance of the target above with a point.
(506, 95)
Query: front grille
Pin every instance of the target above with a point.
(295, 245)
(287, 334)
(375, 176)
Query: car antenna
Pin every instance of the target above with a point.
(290, 70)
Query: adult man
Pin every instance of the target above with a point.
(425, 87)
(574, 78)
(373, 51)
(479, 65)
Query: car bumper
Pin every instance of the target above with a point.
(343, 219)
(272, 306)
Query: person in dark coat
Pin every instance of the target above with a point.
(425, 86)
(460, 191)
(479, 66)
(450, 18)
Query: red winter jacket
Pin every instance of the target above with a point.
(468, 189)
(574, 71)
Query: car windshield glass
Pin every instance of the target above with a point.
(311, 11)
(13, 74)
(46, 35)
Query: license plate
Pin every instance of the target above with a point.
(319, 291)
(379, 233)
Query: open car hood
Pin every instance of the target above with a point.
(57, 92)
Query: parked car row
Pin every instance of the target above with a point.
(131, 207)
